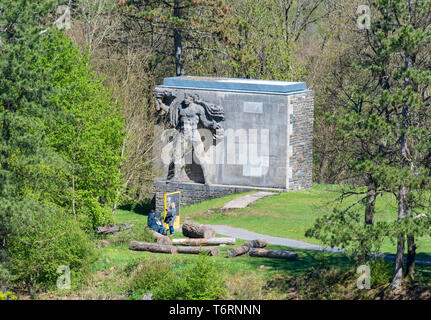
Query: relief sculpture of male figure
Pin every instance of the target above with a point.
(185, 116)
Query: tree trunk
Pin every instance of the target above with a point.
(399, 260)
(369, 218)
(178, 43)
(159, 248)
(278, 254)
(73, 197)
(204, 242)
(245, 247)
(161, 239)
(403, 205)
(196, 230)
(411, 255)
(371, 202)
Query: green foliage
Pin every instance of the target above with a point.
(89, 134)
(29, 170)
(201, 281)
(381, 272)
(384, 124)
(7, 296)
(43, 240)
(325, 284)
(345, 229)
(60, 148)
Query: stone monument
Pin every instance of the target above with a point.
(217, 136)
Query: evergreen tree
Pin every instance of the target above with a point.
(61, 133)
(28, 167)
(387, 118)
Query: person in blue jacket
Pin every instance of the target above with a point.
(154, 222)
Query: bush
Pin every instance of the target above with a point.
(42, 241)
(381, 272)
(201, 281)
(156, 276)
(7, 296)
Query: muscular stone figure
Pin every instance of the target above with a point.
(185, 116)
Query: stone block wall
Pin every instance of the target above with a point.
(301, 141)
(194, 192)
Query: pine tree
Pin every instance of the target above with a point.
(178, 26)
(386, 122)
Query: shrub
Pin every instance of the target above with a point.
(7, 296)
(42, 241)
(203, 280)
(200, 281)
(156, 276)
(382, 272)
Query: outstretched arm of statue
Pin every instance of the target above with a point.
(161, 106)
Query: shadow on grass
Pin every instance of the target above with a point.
(143, 207)
(307, 260)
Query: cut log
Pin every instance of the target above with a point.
(113, 228)
(160, 248)
(204, 242)
(152, 247)
(196, 230)
(212, 251)
(278, 254)
(161, 239)
(245, 247)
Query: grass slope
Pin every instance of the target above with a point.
(289, 214)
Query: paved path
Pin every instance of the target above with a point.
(249, 235)
(244, 201)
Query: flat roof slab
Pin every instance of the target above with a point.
(232, 84)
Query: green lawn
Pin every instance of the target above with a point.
(289, 214)
(120, 254)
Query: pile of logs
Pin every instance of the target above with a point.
(243, 249)
(255, 249)
(199, 235)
